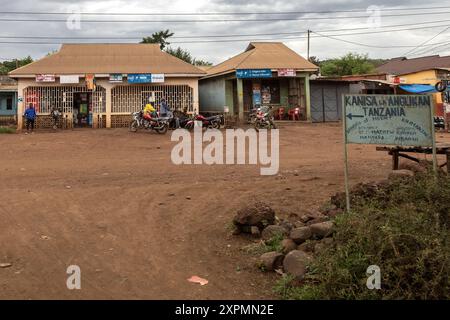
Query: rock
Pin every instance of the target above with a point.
(401, 174)
(295, 264)
(412, 166)
(288, 245)
(259, 214)
(299, 224)
(188, 198)
(273, 231)
(255, 232)
(300, 235)
(307, 246)
(288, 226)
(5, 265)
(335, 212)
(271, 261)
(317, 220)
(322, 230)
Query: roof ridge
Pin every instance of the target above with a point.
(252, 51)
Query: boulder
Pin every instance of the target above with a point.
(322, 230)
(300, 235)
(288, 226)
(307, 246)
(401, 174)
(317, 220)
(259, 215)
(273, 231)
(295, 264)
(288, 245)
(271, 261)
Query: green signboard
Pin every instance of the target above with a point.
(401, 120)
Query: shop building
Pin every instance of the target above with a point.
(100, 85)
(267, 73)
(8, 100)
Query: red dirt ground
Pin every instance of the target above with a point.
(131, 237)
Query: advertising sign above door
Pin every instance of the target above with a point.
(253, 73)
(69, 79)
(45, 78)
(286, 73)
(140, 78)
(116, 78)
(158, 78)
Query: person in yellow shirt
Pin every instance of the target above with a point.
(149, 112)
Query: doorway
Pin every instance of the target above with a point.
(82, 109)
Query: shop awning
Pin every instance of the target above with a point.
(419, 88)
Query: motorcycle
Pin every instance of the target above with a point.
(160, 125)
(264, 119)
(214, 122)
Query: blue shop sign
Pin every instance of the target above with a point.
(140, 78)
(253, 73)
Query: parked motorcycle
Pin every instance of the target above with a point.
(264, 119)
(213, 122)
(160, 125)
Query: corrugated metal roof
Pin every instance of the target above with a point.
(264, 55)
(402, 65)
(108, 58)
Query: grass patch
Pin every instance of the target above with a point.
(7, 130)
(274, 244)
(403, 228)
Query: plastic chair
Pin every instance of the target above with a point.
(294, 114)
(280, 114)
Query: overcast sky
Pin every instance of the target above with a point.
(217, 52)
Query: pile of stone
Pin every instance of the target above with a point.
(303, 236)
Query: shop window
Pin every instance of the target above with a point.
(270, 92)
(9, 103)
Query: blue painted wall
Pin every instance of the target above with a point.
(3, 103)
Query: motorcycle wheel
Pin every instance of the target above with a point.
(134, 126)
(163, 130)
(441, 86)
(215, 125)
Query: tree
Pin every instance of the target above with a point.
(8, 66)
(159, 37)
(181, 53)
(314, 60)
(350, 64)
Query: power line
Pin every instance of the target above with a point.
(220, 20)
(214, 13)
(436, 35)
(367, 45)
(236, 35)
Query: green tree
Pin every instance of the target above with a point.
(181, 53)
(159, 37)
(8, 66)
(350, 64)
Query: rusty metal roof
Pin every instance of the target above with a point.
(108, 58)
(402, 65)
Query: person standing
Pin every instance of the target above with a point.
(164, 108)
(30, 116)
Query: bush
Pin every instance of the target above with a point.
(403, 228)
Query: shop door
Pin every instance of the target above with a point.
(82, 109)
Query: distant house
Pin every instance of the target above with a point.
(8, 100)
(99, 85)
(266, 73)
(424, 70)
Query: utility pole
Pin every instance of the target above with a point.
(309, 37)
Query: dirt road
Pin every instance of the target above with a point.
(113, 203)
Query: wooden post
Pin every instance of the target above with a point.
(344, 124)
(448, 162)
(395, 160)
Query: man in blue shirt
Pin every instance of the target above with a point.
(164, 108)
(30, 116)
